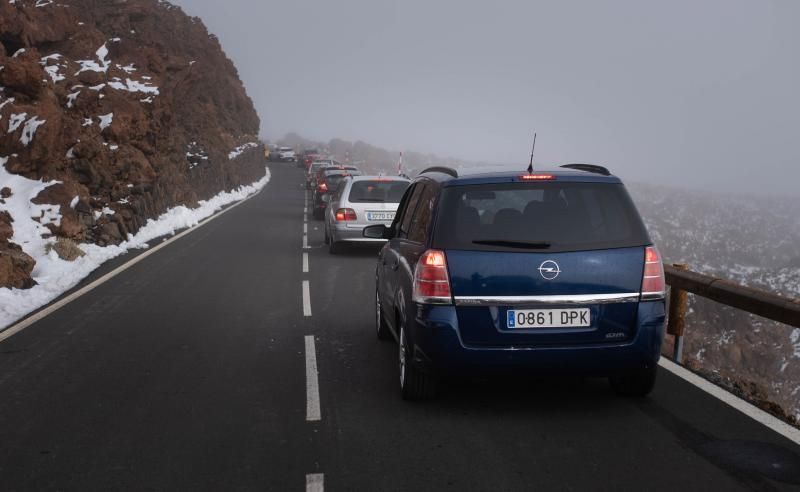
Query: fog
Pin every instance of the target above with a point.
(697, 94)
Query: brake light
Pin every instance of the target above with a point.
(653, 284)
(346, 214)
(323, 187)
(431, 282)
(536, 177)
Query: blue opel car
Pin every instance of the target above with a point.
(529, 273)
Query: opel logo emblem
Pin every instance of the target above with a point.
(549, 270)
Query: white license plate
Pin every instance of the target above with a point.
(384, 216)
(548, 318)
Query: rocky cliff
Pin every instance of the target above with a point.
(126, 107)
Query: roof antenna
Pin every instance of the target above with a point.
(530, 166)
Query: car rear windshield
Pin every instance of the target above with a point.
(388, 191)
(551, 216)
(333, 180)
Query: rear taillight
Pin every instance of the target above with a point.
(346, 214)
(323, 187)
(431, 282)
(653, 284)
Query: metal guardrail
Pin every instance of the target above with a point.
(681, 280)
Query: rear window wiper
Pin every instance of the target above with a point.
(512, 244)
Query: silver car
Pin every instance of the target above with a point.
(360, 201)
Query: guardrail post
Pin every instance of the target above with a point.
(676, 322)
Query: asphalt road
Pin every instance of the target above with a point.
(192, 371)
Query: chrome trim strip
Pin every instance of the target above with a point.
(578, 299)
(653, 296)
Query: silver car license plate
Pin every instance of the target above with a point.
(548, 318)
(381, 216)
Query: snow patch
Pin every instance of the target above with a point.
(105, 120)
(29, 219)
(133, 86)
(15, 121)
(240, 150)
(94, 66)
(30, 130)
(794, 337)
(71, 98)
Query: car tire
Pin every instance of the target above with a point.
(327, 236)
(383, 329)
(637, 383)
(335, 247)
(415, 385)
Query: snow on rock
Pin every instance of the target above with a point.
(18, 52)
(29, 130)
(240, 150)
(71, 98)
(94, 66)
(15, 121)
(105, 120)
(53, 275)
(7, 101)
(104, 211)
(29, 219)
(133, 86)
(53, 70)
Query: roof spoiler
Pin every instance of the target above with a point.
(590, 168)
(441, 169)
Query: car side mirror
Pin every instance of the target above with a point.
(378, 231)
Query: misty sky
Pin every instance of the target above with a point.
(702, 93)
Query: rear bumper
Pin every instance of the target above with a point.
(438, 348)
(353, 234)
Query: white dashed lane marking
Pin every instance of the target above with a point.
(313, 412)
(305, 262)
(315, 482)
(306, 298)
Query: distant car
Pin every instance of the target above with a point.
(360, 201)
(286, 154)
(313, 171)
(520, 273)
(307, 157)
(327, 183)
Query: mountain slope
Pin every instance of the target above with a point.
(126, 107)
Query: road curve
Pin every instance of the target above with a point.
(237, 359)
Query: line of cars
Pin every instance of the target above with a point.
(348, 201)
(504, 273)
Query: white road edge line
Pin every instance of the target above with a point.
(315, 482)
(305, 262)
(723, 395)
(16, 328)
(313, 412)
(306, 298)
